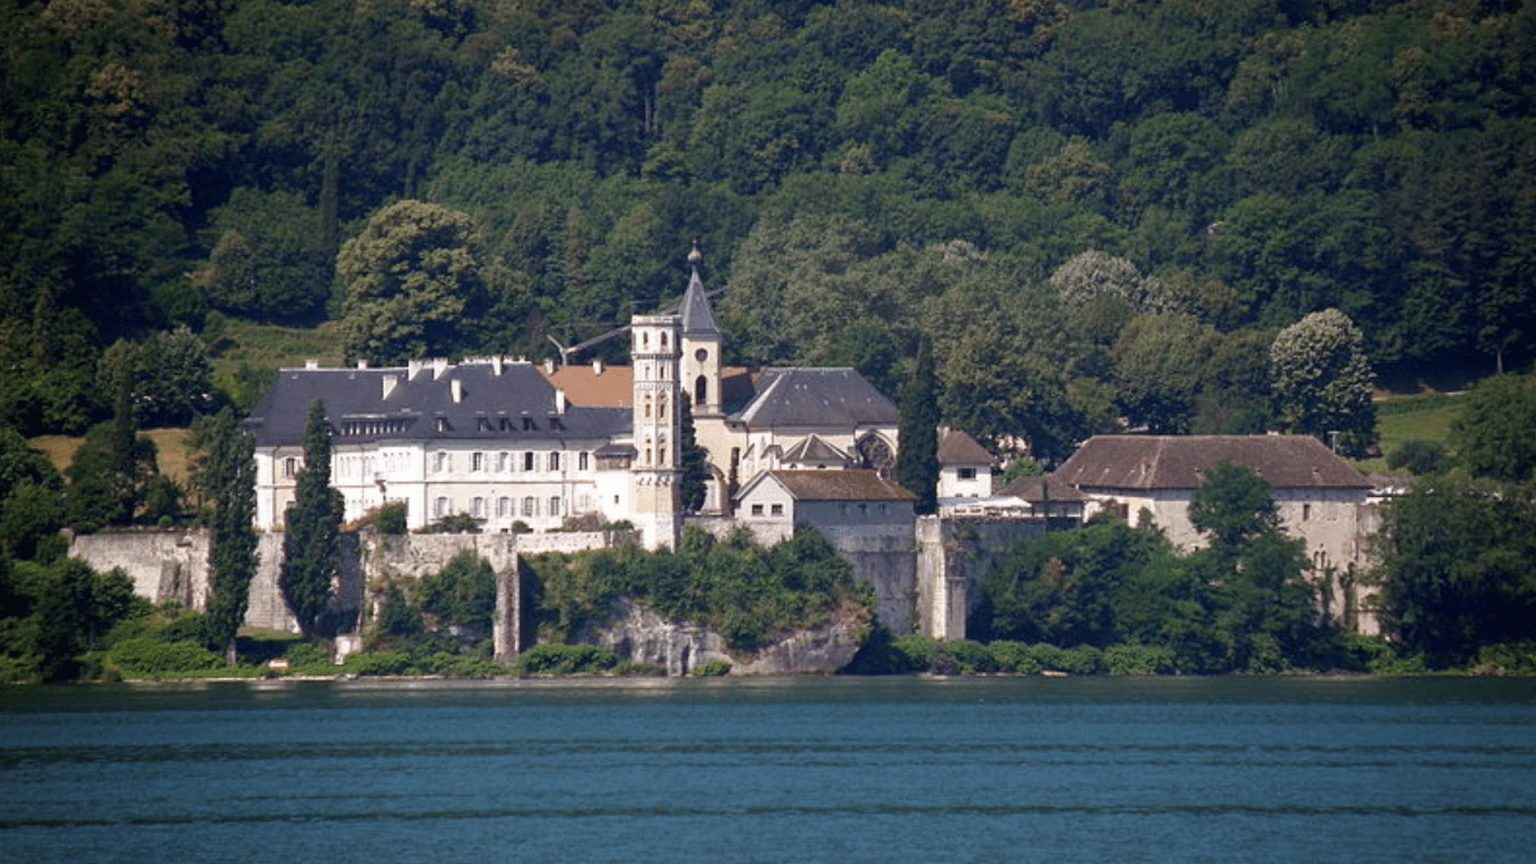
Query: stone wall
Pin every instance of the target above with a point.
(954, 556)
(165, 566)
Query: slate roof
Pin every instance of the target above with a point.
(517, 404)
(959, 448)
(815, 450)
(1037, 490)
(1180, 461)
(790, 397)
(698, 318)
(839, 486)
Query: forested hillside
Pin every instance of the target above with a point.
(1093, 210)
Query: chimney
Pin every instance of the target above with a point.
(498, 364)
(560, 402)
(311, 364)
(362, 364)
(390, 383)
(549, 365)
(458, 389)
(597, 367)
(439, 366)
(412, 369)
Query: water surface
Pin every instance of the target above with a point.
(825, 769)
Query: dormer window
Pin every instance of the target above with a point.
(529, 425)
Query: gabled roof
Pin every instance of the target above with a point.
(1181, 461)
(1038, 490)
(814, 450)
(834, 486)
(698, 318)
(959, 448)
(798, 397)
(477, 399)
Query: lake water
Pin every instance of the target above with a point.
(824, 769)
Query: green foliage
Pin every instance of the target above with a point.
(109, 477)
(1493, 433)
(462, 595)
(1242, 604)
(693, 462)
(554, 659)
(411, 280)
(148, 657)
(74, 613)
(454, 523)
(917, 461)
(1418, 456)
(312, 542)
(1455, 571)
(1322, 381)
(1138, 660)
(717, 669)
(749, 595)
(391, 518)
(228, 476)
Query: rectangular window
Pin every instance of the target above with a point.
(554, 461)
(757, 509)
(1306, 512)
(554, 507)
(440, 462)
(530, 506)
(581, 461)
(478, 510)
(528, 461)
(477, 462)
(440, 507)
(501, 462)
(967, 473)
(778, 509)
(503, 507)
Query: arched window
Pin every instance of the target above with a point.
(700, 390)
(661, 407)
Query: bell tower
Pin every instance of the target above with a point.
(702, 346)
(654, 352)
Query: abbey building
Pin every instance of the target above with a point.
(527, 447)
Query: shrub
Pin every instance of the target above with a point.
(147, 656)
(1418, 456)
(1507, 659)
(717, 669)
(1138, 660)
(455, 523)
(914, 653)
(555, 659)
(970, 658)
(391, 518)
(640, 670)
(1013, 657)
(382, 663)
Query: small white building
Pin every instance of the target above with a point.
(840, 504)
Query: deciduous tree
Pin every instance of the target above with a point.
(410, 282)
(1322, 381)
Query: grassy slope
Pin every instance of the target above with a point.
(1427, 418)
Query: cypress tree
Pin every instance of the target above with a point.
(917, 459)
(311, 546)
(694, 463)
(229, 478)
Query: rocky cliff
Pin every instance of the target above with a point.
(637, 634)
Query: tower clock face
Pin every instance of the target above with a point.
(701, 355)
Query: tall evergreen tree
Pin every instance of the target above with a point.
(694, 462)
(229, 478)
(917, 458)
(311, 546)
